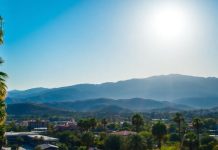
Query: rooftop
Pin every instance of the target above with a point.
(124, 133)
(45, 138)
(19, 133)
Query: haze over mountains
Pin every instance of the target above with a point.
(95, 106)
(190, 91)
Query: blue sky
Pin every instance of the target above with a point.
(57, 43)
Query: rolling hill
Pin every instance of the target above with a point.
(34, 109)
(134, 105)
(100, 105)
(182, 89)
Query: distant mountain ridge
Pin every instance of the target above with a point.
(173, 87)
(94, 106)
(134, 105)
(27, 93)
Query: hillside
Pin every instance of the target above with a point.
(199, 102)
(165, 87)
(33, 109)
(101, 105)
(134, 105)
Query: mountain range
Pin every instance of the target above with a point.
(174, 90)
(94, 106)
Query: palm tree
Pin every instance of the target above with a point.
(197, 124)
(3, 91)
(159, 130)
(136, 142)
(3, 76)
(137, 122)
(178, 118)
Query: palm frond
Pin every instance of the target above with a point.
(3, 75)
(3, 90)
(2, 113)
(2, 104)
(2, 80)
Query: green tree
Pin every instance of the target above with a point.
(87, 124)
(215, 147)
(92, 122)
(191, 141)
(3, 91)
(113, 126)
(62, 146)
(147, 136)
(172, 128)
(136, 142)
(99, 140)
(126, 126)
(207, 143)
(87, 139)
(2, 138)
(137, 122)
(104, 123)
(159, 130)
(36, 148)
(68, 138)
(84, 124)
(174, 137)
(197, 124)
(179, 119)
(209, 124)
(113, 142)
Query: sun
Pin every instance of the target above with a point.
(168, 23)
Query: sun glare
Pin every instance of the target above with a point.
(169, 23)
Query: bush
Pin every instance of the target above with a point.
(113, 142)
(174, 137)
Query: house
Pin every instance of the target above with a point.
(67, 125)
(6, 148)
(9, 148)
(37, 124)
(12, 136)
(30, 138)
(40, 130)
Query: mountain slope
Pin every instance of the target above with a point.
(199, 102)
(103, 106)
(135, 105)
(164, 87)
(33, 109)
